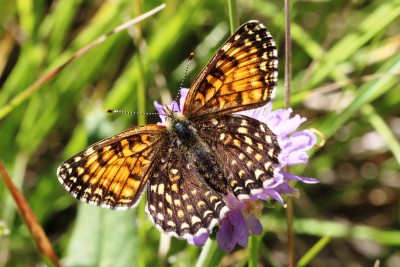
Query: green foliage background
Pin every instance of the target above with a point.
(346, 66)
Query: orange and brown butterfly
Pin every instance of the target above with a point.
(202, 154)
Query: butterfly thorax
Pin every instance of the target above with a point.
(197, 154)
(180, 126)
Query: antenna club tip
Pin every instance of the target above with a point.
(191, 56)
(108, 110)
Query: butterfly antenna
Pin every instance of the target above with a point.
(130, 112)
(191, 56)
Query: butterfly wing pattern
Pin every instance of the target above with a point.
(242, 75)
(112, 173)
(180, 202)
(202, 155)
(247, 149)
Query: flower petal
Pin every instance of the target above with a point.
(291, 176)
(198, 240)
(183, 92)
(295, 148)
(225, 235)
(253, 224)
(160, 113)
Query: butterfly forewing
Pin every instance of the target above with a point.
(113, 172)
(242, 75)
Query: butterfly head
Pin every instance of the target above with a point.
(179, 125)
(172, 117)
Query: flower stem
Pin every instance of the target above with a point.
(210, 255)
(288, 74)
(254, 245)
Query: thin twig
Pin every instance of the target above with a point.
(29, 218)
(288, 75)
(288, 55)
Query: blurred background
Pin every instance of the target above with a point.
(346, 66)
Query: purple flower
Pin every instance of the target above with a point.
(242, 218)
(174, 106)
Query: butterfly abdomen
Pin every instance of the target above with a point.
(206, 164)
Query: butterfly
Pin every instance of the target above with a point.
(202, 155)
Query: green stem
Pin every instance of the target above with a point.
(314, 251)
(210, 255)
(254, 246)
(233, 15)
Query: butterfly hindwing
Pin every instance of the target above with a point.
(248, 151)
(113, 173)
(178, 199)
(242, 75)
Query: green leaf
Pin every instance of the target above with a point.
(103, 238)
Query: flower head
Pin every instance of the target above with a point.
(294, 146)
(242, 218)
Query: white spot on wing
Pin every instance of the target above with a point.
(258, 173)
